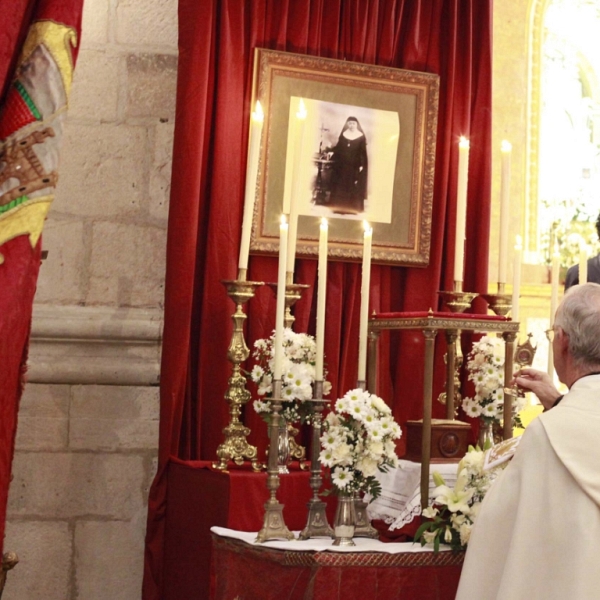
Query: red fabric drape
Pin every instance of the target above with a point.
(449, 37)
(19, 270)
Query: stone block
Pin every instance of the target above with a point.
(114, 418)
(59, 485)
(109, 559)
(107, 170)
(44, 569)
(147, 23)
(151, 86)
(94, 26)
(62, 273)
(95, 91)
(43, 418)
(128, 265)
(160, 173)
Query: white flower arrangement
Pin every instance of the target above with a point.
(358, 441)
(454, 510)
(486, 370)
(298, 375)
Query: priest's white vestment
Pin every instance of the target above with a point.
(538, 532)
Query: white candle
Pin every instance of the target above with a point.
(583, 258)
(279, 316)
(461, 208)
(517, 278)
(295, 198)
(321, 301)
(553, 302)
(504, 210)
(256, 124)
(364, 303)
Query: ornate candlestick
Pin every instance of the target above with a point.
(236, 446)
(316, 524)
(457, 300)
(454, 361)
(500, 303)
(274, 527)
(293, 293)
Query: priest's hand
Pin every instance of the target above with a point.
(538, 382)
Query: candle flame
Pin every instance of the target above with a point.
(518, 243)
(506, 146)
(283, 220)
(324, 222)
(301, 114)
(258, 114)
(463, 142)
(367, 227)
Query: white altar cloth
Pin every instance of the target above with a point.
(325, 544)
(400, 499)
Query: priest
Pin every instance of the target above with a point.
(538, 531)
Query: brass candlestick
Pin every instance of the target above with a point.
(500, 303)
(457, 300)
(236, 446)
(274, 527)
(293, 293)
(316, 524)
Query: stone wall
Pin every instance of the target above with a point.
(88, 422)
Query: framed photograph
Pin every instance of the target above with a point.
(352, 143)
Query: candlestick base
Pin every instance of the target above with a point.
(458, 301)
(500, 304)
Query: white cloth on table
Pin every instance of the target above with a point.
(537, 534)
(324, 544)
(400, 499)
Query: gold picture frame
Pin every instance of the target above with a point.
(399, 111)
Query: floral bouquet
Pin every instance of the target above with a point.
(454, 510)
(358, 441)
(298, 375)
(486, 370)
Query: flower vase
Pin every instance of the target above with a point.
(486, 433)
(345, 521)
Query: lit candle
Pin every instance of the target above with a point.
(283, 238)
(321, 299)
(364, 303)
(295, 198)
(553, 302)
(517, 278)
(256, 124)
(583, 258)
(461, 208)
(504, 210)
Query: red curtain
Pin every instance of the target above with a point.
(20, 265)
(216, 38)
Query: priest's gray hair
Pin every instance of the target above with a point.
(579, 317)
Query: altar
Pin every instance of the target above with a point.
(317, 570)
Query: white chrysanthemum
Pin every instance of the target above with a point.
(473, 461)
(257, 373)
(260, 344)
(332, 419)
(375, 449)
(342, 405)
(330, 439)
(342, 477)
(326, 388)
(490, 410)
(341, 454)
(287, 393)
(379, 404)
(262, 407)
(265, 385)
(472, 409)
(326, 458)
(367, 466)
(357, 395)
(375, 433)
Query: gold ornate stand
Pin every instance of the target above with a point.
(274, 527)
(316, 524)
(293, 293)
(457, 300)
(236, 446)
(9, 561)
(500, 303)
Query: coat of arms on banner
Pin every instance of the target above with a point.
(31, 127)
